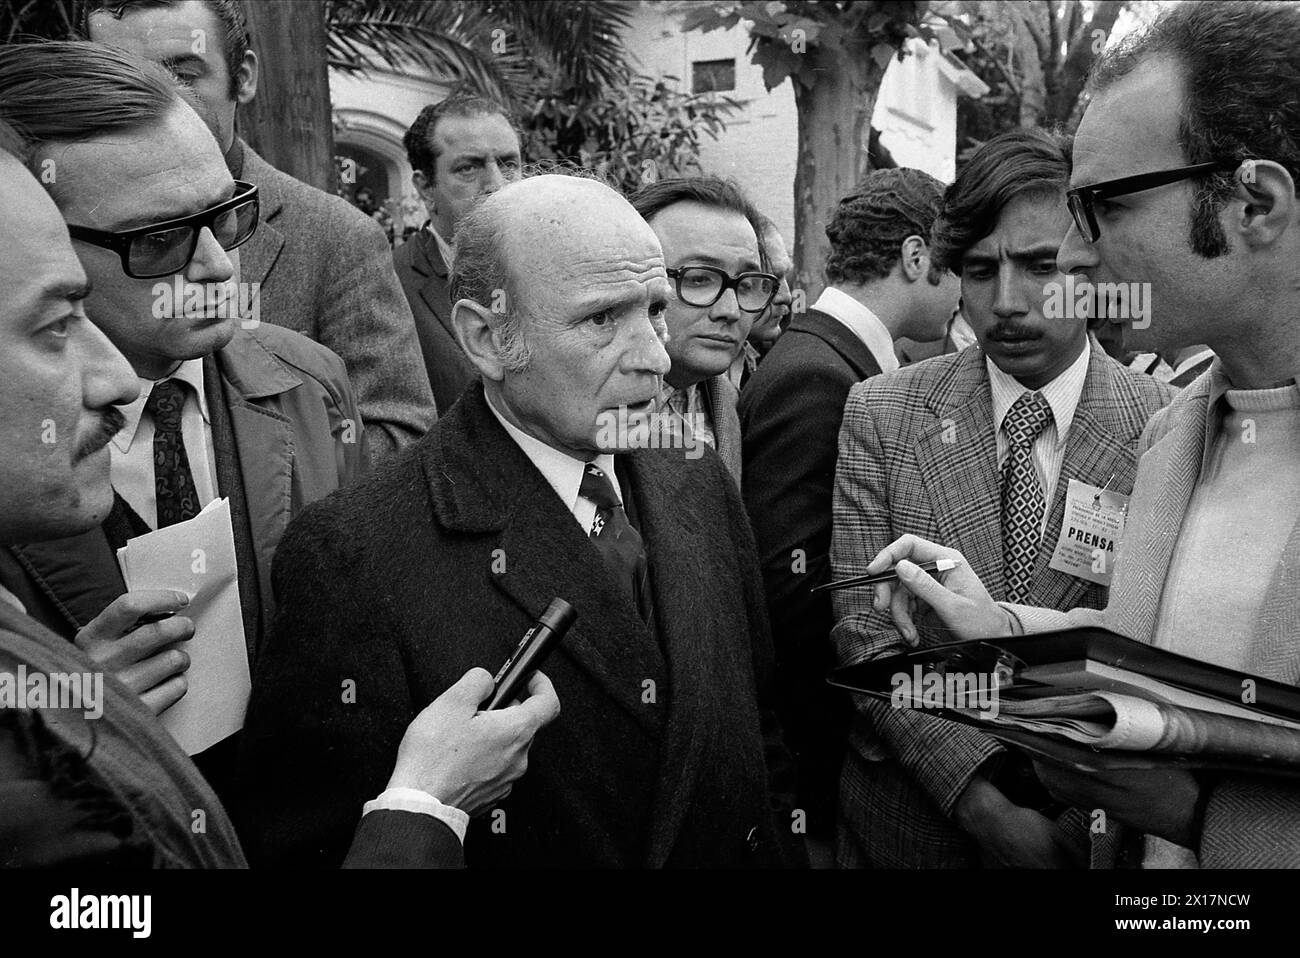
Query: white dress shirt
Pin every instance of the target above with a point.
(444, 247)
(1062, 394)
(131, 450)
(562, 471)
(8, 598)
(863, 323)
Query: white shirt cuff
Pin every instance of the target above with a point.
(414, 800)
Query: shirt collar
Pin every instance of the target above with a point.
(189, 372)
(863, 323)
(1062, 393)
(444, 248)
(561, 470)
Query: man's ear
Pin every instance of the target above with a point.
(1269, 196)
(478, 334)
(246, 79)
(423, 186)
(914, 259)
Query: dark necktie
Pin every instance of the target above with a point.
(614, 537)
(1022, 493)
(178, 499)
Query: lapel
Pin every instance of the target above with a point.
(480, 482)
(679, 544)
(722, 397)
(435, 290)
(841, 339)
(1174, 462)
(1093, 452)
(259, 254)
(261, 438)
(79, 575)
(958, 455)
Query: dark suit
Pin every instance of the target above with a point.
(790, 414)
(918, 454)
(439, 562)
(123, 795)
(285, 433)
(423, 273)
(325, 270)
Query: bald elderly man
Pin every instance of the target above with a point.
(532, 487)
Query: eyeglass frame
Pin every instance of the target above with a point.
(1080, 199)
(728, 282)
(120, 242)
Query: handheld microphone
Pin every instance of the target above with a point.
(532, 650)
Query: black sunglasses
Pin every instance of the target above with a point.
(702, 286)
(162, 249)
(1081, 198)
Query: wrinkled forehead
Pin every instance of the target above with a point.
(581, 244)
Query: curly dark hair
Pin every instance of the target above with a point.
(870, 224)
(1241, 66)
(1011, 164)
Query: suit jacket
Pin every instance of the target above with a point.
(1249, 822)
(284, 430)
(325, 270)
(918, 455)
(790, 412)
(425, 282)
(123, 794)
(389, 591)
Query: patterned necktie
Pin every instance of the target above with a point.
(1022, 493)
(614, 537)
(178, 499)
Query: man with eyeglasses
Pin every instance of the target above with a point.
(710, 236)
(459, 149)
(262, 416)
(1184, 177)
(321, 266)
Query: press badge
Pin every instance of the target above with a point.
(1090, 532)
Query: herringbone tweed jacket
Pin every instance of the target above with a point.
(918, 454)
(1249, 822)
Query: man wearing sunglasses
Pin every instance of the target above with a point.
(262, 416)
(710, 235)
(323, 267)
(1184, 177)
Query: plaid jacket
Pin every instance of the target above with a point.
(1249, 822)
(918, 454)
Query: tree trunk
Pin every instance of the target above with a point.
(834, 125)
(289, 121)
(1083, 50)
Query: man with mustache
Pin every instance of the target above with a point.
(977, 449)
(262, 416)
(111, 788)
(533, 486)
(710, 236)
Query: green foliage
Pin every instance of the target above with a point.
(639, 130)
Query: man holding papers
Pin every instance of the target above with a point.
(97, 783)
(1182, 181)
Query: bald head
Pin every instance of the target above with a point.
(560, 291)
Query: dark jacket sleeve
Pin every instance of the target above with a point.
(330, 700)
(390, 839)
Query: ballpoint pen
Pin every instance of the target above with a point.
(938, 565)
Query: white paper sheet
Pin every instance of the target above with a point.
(198, 557)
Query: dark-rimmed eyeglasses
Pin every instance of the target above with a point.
(702, 286)
(1081, 198)
(162, 249)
